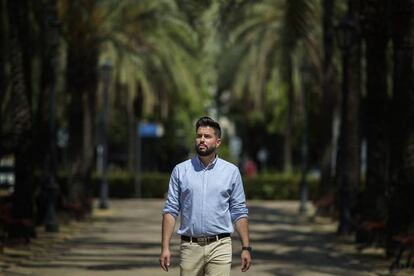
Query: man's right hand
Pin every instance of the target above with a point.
(165, 258)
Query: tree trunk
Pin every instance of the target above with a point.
(46, 119)
(22, 207)
(132, 130)
(349, 152)
(81, 84)
(402, 116)
(91, 81)
(287, 150)
(3, 39)
(330, 104)
(376, 111)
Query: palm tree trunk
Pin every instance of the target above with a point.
(47, 119)
(330, 103)
(76, 126)
(81, 84)
(91, 80)
(3, 40)
(132, 130)
(22, 120)
(349, 152)
(376, 111)
(402, 116)
(287, 150)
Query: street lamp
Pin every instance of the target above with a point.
(345, 34)
(102, 149)
(305, 70)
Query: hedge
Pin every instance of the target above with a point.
(278, 186)
(155, 185)
(122, 185)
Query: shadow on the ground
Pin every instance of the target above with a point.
(279, 236)
(93, 253)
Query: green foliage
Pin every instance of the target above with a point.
(224, 151)
(260, 42)
(278, 186)
(155, 185)
(153, 43)
(121, 185)
(117, 129)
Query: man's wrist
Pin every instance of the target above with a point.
(247, 248)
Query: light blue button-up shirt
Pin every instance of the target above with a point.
(209, 199)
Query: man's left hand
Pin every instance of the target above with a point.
(246, 260)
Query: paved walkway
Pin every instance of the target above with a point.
(125, 240)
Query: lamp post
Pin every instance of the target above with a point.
(138, 106)
(102, 150)
(138, 153)
(345, 32)
(305, 70)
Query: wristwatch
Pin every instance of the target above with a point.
(248, 248)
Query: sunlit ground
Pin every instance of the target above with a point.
(125, 240)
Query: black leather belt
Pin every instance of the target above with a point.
(205, 239)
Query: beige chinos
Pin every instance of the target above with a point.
(213, 259)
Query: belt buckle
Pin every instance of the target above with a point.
(202, 240)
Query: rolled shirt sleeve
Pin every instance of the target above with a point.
(172, 204)
(238, 208)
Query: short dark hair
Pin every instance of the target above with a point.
(207, 121)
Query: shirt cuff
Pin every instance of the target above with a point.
(239, 217)
(174, 214)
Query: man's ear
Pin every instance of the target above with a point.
(218, 143)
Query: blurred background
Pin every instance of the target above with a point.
(99, 99)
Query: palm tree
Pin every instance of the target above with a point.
(148, 41)
(298, 16)
(158, 51)
(80, 21)
(263, 39)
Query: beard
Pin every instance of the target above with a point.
(205, 152)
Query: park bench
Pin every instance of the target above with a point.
(371, 233)
(10, 226)
(325, 205)
(4, 209)
(74, 209)
(78, 210)
(405, 244)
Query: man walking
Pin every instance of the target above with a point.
(207, 192)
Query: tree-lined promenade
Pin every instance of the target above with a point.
(125, 240)
(108, 91)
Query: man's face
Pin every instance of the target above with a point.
(206, 141)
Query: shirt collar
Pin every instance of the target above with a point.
(209, 166)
